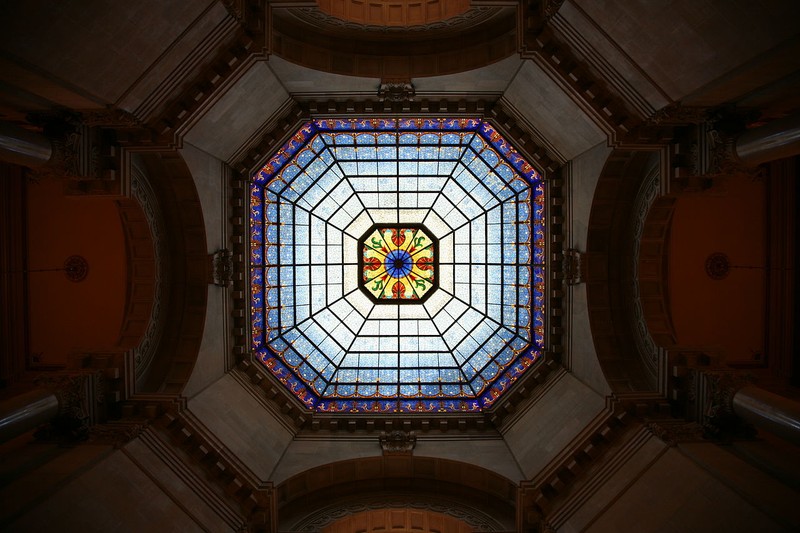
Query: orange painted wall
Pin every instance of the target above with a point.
(65, 316)
(725, 316)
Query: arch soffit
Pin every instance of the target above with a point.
(183, 270)
(342, 488)
(623, 200)
(313, 38)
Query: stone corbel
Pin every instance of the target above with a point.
(398, 442)
(573, 267)
(396, 91)
(222, 268)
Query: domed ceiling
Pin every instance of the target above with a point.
(397, 265)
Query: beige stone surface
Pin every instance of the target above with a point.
(549, 424)
(756, 486)
(239, 114)
(303, 82)
(181, 485)
(242, 424)
(306, 453)
(102, 50)
(212, 191)
(620, 70)
(676, 495)
(115, 495)
(705, 45)
(554, 114)
(492, 79)
(492, 454)
(584, 172)
(604, 487)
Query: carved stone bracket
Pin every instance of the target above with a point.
(396, 91)
(673, 431)
(679, 114)
(398, 442)
(222, 268)
(573, 267)
(116, 434)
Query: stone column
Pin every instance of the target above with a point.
(26, 412)
(23, 147)
(775, 140)
(769, 411)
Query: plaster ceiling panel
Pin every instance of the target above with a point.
(240, 113)
(492, 79)
(305, 83)
(551, 112)
(102, 50)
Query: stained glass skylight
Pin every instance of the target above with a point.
(397, 265)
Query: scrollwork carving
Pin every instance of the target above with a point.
(396, 91)
(222, 268)
(398, 442)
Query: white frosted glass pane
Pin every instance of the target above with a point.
(408, 200)
(353, 206)
(301, 254)
(408, 327)
(408, 344)
(318, 252)
(341, 219)
(301, 235)
(436, 224)
(317, 299)
(387, 327)
(446, 279)
(386, 216)
(341, 308)
(387, 200)
(334, 292)
(334, 254)
(353, 321)
(412, 311)
(360, 302)
(327, 320)
(412, 216)
(343, 336)
(385, 311)
(359, 225)
(454, 193)
(366, 183)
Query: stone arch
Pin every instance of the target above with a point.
(399, 520)
(321, 41)
(395, 12)
(326, 494)
(183, 270)
(627, 187)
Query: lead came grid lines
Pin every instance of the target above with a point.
(333, 346)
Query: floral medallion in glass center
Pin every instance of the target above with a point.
(398, 263)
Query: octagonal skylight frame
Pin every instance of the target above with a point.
(348, 174)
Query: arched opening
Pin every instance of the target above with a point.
(324, 496)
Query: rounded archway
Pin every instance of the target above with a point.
(412, 487)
